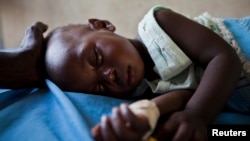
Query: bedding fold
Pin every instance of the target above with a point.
(54, 115)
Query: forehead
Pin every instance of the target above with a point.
(64, 60)
(66, 37)
(70, 32)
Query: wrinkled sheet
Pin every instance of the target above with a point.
(53, 115)
(50, 114)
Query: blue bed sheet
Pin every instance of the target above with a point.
(50, 114)
(53, 115)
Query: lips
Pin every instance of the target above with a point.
(125, 77)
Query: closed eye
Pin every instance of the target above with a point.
(98, 57)
(100, 88)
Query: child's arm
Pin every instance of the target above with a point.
(122, 125)
(222, 70)
(114, 127)
(23, 67)
(204, 47)
(172, 101)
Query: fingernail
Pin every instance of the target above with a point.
(114, 110)
(123, 106)
(103, 118)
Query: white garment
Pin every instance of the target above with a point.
(171, 63)
(174, 67)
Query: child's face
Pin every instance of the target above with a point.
(94, 60)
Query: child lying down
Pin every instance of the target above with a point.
(185, 68)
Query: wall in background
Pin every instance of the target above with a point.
(17, 15)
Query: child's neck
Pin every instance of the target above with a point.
(148, 62)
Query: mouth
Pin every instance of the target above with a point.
(126, 78)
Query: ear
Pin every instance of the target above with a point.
(96, 24)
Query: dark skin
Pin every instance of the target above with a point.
(200, 107)
(215, 55)
(90, 56)
(190, 110)
(23, 67)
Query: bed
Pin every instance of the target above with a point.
(54, 115)
(51, 114)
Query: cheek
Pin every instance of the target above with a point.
(123, 56)
(115, 55)
(140, 70)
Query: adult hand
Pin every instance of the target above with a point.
(24, 66)
(123, 125)
(182, 126)
(33, 38)
(33, 47)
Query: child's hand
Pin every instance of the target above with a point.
(182, 126)
(123, 125)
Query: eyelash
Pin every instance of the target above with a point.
(98, 63)
(100, 88)
(98, 58)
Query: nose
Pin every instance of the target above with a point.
(108, 75)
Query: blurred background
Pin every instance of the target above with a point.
(17, 15)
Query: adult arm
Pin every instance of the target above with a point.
(23, 67)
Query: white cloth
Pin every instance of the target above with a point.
(149, 110)
(171, 63)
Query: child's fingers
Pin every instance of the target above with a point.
(167, 130)
(118, 122)
(140, 124)
(107, 130)
(96, 133)
(127, 114)
(122, 127)
(183, 133)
